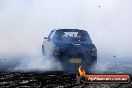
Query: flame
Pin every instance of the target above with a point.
(81, 71)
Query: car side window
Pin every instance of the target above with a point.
(52, 35)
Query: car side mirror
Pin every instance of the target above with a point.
(45, 38)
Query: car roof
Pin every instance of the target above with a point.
(69, 30)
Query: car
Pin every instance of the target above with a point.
(72, 48)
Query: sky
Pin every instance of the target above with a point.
(24, 23)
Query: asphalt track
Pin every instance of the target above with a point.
(57, 79)
(48, 80)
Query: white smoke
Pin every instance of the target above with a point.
(24, 23)
(39, 64)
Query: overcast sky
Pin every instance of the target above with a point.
(24, 23)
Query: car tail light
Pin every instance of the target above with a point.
(93, 52)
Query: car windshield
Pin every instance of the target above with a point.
(71, 35)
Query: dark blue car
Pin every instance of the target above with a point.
(72, 47)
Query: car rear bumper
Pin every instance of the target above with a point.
(72, 63)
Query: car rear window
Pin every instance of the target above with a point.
(71, 34)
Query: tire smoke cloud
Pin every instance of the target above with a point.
(24, 23)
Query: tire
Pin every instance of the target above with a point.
(91, 63)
